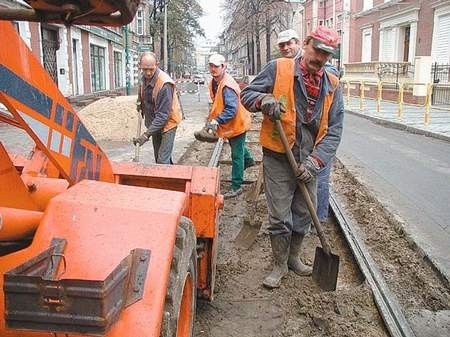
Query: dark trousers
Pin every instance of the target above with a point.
(323, 192)
(287, 208)
(163, 146)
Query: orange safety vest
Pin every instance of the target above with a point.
(241, 121)
(283, 91)
(175, 115)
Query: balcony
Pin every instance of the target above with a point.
(383, 71)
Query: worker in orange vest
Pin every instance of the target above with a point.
(313, 107)
(229, 119)
(289, 46)
(160, 108)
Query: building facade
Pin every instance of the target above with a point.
(398, 31)
(88, 60)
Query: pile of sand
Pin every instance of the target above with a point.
(111, 118)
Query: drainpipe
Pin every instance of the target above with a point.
(127, 62)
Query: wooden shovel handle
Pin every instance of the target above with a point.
(303, 189)
(138, 133)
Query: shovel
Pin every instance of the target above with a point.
(326, 264)
(138, 133)
(250, 228)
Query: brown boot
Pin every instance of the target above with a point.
(280, 251)
(294, 262)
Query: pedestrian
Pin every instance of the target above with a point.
(313, 114)
(160, 108)
(229, 119)
(289, 43)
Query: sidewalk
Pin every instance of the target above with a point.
(412, 119)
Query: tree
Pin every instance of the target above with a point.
(248, 20)
(182, 26)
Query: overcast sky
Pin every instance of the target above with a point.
(211, 22)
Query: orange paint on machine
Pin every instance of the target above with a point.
(87, 246)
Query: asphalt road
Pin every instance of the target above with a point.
(410, 175)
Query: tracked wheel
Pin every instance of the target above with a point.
(179, 308)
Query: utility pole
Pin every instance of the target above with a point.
(165, 38)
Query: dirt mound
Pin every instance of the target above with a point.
(111, 118)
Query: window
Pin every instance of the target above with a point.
(117, 69)
(97, 68)
(366, 52)
(387, 37)
(367, 4)
(140, 22)
(441, 41)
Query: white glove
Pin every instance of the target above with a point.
(212, 125)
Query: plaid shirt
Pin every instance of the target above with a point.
(312, 85)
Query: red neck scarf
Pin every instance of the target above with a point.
(312, 85)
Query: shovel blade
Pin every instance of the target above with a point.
(325, 269)
(247, 234)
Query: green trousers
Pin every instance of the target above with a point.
(240, 158)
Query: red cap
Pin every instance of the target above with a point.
(325, 38)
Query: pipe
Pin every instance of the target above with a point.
(42, 190)
(16, 223)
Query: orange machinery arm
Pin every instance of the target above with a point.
(37, 106)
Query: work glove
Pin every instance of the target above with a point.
(308, 170)
(212, 125)
(271, 107)
(142, 139)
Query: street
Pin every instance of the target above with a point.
(410, 175)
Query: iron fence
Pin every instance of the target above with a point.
(440, 73)
(393, 71)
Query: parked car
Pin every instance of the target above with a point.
(198, 79)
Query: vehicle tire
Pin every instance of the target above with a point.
(181, 297)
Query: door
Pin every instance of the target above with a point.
(407, 31)
(50, 45)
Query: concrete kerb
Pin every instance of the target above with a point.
(399, 126)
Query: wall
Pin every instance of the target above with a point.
(62, 63)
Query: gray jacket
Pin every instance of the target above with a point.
(326, 148)
(156, 114)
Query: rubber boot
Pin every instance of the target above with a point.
(280, 251)
(294, 262)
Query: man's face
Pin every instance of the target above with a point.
(314, 58)
(216, 71)
(148, 66)
(289, 49)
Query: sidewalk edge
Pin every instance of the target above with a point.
(400, 126)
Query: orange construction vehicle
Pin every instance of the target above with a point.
(89, 247)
